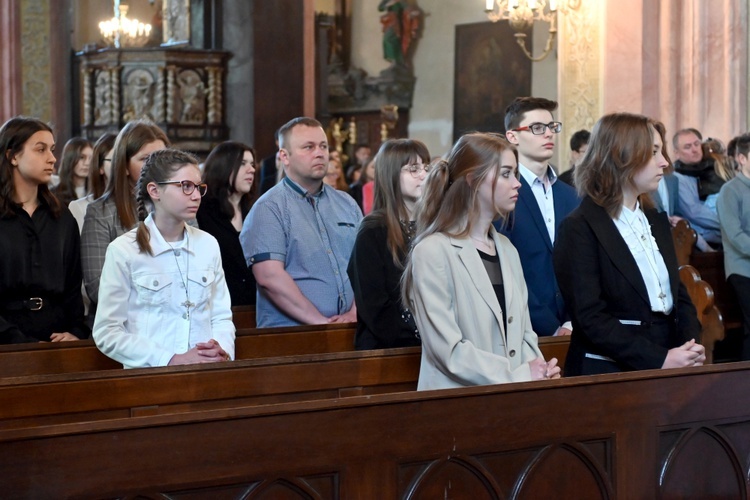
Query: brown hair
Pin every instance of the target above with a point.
(220, 172)
(522, 105)
(389, 209)
(97, 180)
(159, 166)
(621, 144)
(13, 137)
(286, 129)
(714, 149)
(131, 139)
(449, 202)
(71, 155)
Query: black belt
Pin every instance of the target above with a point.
(31, 304)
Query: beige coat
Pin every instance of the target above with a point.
(460, 320)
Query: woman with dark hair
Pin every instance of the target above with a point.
(464, 282)
(115, 212)
(40, 266)
(74, 171)
(164, 300)
(382, 246)
(229, 172)
(615, 260)
(99, 171)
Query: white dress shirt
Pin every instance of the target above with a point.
(636, 231)
(542, 189)
(142, 319)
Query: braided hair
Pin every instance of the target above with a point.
(159, 166)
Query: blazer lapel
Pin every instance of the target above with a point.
(613, 244)
(663, 235)
(528, 200)
(478, 275)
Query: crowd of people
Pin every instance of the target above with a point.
(473, 255)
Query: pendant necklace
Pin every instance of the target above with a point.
(184, 277)
(649, 251)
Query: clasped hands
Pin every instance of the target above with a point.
(544, 370)
(690, 353)
(203, 352)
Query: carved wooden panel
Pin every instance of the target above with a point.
(705, 462)
(181, 90)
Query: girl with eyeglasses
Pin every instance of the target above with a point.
(464, 281)
(164, 298)
(232, 189)
(40, 266)
(382, 245)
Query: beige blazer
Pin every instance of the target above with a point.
(460, 320)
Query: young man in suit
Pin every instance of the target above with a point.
(542, 205)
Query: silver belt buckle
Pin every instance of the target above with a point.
(35, 303)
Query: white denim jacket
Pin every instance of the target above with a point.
(141, 320)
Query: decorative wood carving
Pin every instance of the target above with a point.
(179, 89)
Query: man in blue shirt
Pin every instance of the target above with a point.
(299, 235)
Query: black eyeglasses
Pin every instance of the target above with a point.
(416, 168)
(188, 186)
(538, 128)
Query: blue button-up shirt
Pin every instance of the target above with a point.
(313, 235)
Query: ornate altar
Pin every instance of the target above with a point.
(180, 89)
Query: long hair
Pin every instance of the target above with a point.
(449, 202)
(71, 155)
(621, 145)
(97, 179)
(220, 172)
(389, 208)
(133, 136)
(714, 149)
(159, 167)
(13, 137)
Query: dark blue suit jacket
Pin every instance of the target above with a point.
(528, 233)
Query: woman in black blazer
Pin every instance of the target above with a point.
(615, 262)
(230, 174)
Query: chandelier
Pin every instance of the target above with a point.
(521, 15)
(122, 31)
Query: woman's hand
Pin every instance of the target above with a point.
(688, 354)
(62, 337)
(542, 370)
(203, 352)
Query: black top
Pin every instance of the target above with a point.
(495, 273)
(239, 276)
(382, 322)
(40, 258)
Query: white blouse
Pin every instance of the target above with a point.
(636, 231)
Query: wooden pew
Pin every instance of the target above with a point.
(243, 317)
(710, 267)
(83, 356)
(702, 295)
(655, 434)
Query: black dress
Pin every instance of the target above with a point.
(40, 276)
(239, 276)
(382, 322)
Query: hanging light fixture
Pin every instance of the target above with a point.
(521, 14)
(121, 31)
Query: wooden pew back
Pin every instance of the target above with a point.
(607, 436)
(702, 296)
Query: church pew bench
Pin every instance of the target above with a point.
(653, 434)
(702, 295)
(83, 356)
(56, 398)
(243, 317)
(710, 265)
